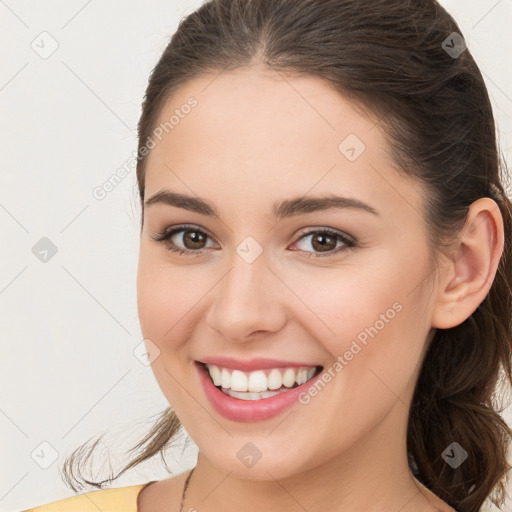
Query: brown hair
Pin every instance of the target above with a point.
(391, 58)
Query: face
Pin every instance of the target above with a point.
(343, 285)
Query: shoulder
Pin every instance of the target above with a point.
(121, 499)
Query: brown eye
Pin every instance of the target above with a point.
(323, 242)
(193, 239)
(183, 240)
(326, 241)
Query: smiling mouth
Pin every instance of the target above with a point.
(259, 384)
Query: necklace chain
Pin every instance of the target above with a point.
(186, 486)
(185, 489)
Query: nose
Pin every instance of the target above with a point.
(247, 302)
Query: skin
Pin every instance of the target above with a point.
(256, 138)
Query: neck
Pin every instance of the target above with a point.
(373, 474)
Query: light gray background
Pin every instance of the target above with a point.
(69, 326)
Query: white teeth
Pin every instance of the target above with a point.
(225, 378)
(246, 383)
(274, 379)
(289, 377)
(257, 382)
(216, 375)
(302, 376)
(238, 381)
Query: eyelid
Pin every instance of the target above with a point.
(341, 234)
(181, 227)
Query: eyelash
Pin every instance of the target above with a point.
(166, 235)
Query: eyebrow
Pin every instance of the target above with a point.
(280, 210)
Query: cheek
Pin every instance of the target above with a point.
(374, 316)
(380, 328)
(166, 297)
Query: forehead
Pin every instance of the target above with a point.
(255, 134)
(248, 108)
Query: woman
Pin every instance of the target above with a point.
(325, 270)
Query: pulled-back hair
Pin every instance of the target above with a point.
(392, 59)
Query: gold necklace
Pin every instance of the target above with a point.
(185, 489)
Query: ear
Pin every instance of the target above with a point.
(466, 277)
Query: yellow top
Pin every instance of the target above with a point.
(122, 499)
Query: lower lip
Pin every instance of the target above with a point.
(250, 410)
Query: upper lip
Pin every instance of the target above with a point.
(248, 365)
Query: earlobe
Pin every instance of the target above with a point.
(466, 278)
